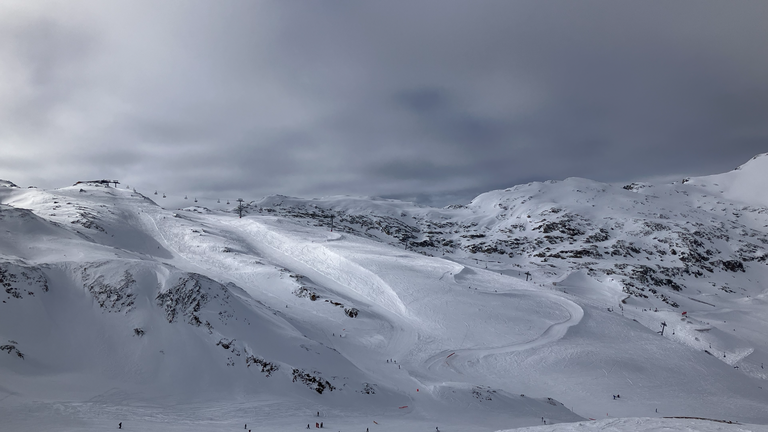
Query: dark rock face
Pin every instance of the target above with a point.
(19, 281)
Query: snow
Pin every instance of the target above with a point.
(645, 425)
(745, 184)
(199, 320)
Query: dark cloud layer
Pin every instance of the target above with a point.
(434, 101)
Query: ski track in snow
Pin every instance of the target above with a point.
(553, 333)
(320, 261)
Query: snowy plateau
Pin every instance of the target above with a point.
(558, 306)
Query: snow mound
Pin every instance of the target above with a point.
(745, 184)
(584, 286)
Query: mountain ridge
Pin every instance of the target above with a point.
(115, 297)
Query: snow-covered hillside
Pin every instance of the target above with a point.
(536, 303)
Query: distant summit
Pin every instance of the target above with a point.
(97, 182)
(745, 184)
(6, 183)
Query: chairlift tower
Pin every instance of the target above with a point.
(240, 207)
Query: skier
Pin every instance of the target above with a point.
(618, 396)
(120, 425)
(321, 425)
(307, 425)
(246, 426)
(317, 425)
(614, 397)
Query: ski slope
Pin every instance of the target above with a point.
(196, 319)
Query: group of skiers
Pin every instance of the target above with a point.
(393, 361)
(317, 425)
(616, 397)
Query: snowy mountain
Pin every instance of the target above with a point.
(536, 303)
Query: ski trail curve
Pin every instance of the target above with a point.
(553, 333)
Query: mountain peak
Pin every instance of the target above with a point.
(760, 159)
(745, 184)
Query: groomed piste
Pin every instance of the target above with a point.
(116, 310)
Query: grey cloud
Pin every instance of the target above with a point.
(48, 57)
(425, 100)
(430, 100)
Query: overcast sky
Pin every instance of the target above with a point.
(432, 101)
